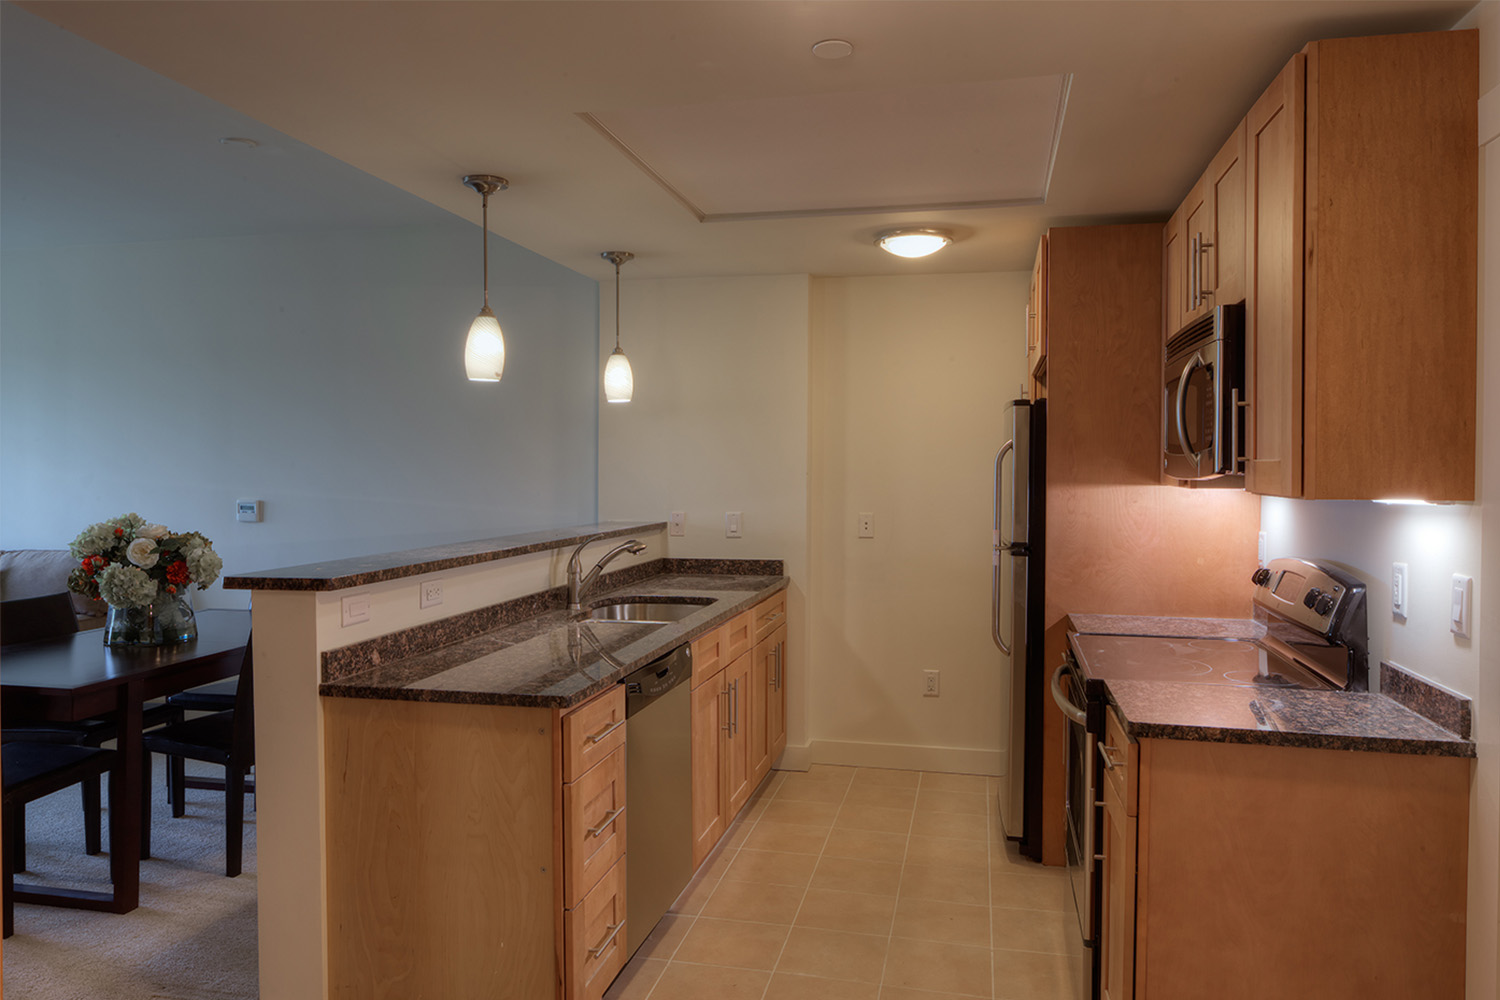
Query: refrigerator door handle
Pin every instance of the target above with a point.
(999, 547)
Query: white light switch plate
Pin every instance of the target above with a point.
(356, 610)
(732, 524)
(1461, 600)
(1400, 590)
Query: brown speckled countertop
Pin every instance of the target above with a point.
(1227, 713)
(550, 661)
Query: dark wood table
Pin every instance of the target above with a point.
(77, 677)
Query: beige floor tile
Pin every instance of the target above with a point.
(664, 938)
(694, 896)
(880, 878)
(878, 818)
(739, 831)
(883, 776)
(717, 863)
(855, 912)
(948, 885)
(1006, 854)
(885, 796)
(736, 943)
(636, 979)
(1029, 975)
(828, 772)
(976, 783)
(788, 987)
(770, 904)
(788, 838)
(811, 951)
(772, 867)
(938, 966)
(940, 851)
(804, 789)
(683, 981)
(867, 845)
(927, 823)
(955, 923)
(1031, 892)
(897, 993)
(1032, 930)
(942, 800)
(821, 814)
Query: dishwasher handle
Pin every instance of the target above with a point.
(1072, 711)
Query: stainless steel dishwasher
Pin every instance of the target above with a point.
(658, 790)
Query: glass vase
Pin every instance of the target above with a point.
(166, 621)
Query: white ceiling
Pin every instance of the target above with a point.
(417, 94)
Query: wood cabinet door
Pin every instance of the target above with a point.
(1197, 228)
(1274, 180)
(709, 727)
(738, 785)
(776, 697)
(1036, 324)
(1174, 273)
(762, 668)
(1223, 263)
(1117, 904)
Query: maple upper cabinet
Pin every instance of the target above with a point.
(1036, 325)
(1203, 245)
(1361, 177)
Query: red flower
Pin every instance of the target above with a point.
(178, 573)
(119, 532)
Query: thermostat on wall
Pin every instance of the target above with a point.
(247, 510)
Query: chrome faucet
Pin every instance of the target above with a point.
(579, 582)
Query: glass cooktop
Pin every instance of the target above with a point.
(1200, 661)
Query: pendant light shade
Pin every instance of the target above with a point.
(619, 380)
(484, 350)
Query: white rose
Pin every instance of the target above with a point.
(142, 552)
(156, 532)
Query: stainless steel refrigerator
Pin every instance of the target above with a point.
(1017, 607)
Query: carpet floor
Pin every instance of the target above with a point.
(192, 938)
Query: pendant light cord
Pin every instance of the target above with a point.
(484, 226)
(617, 306)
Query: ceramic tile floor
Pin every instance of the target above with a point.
(846, 883)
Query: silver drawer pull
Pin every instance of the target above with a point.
(596, 737)
(594, 831)
(1109, 762)
(777, 615)
(614, 930)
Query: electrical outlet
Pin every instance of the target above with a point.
(1399, 590)
(677, 525)
(432, 593)
(356, 610)
(930, 683)
(733, 524)
(866, 525)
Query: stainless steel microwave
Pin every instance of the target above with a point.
(1203, 389)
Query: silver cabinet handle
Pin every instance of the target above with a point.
(594, 831)
(734, 708)
(1109, 762)
(776, 677)
(776, 617)
(1203, 247)
(601, 734)
(1193, 272)
(724, 702)
(614, 929)
(1005, 449)
(1069, 709)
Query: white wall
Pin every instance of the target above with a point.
(910, 377)
(320, 373)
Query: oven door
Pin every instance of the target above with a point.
(1082, 816)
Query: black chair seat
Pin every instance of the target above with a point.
(216, 697)
(89, 732)
(208, 738)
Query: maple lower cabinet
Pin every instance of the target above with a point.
(474, 850)
(1361, 174)
(710, 721)
(1276, 871)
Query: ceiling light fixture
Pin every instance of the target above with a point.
(832, 48)
(484, 351)
(913, 242)
(238, 142)
(619, 380)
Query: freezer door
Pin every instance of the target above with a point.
(1012, 587)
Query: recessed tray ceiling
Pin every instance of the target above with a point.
(970, 145)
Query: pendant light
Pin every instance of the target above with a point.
(619, 381)
(484, 351)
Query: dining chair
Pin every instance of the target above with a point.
(32, 619)
(215, 697)
(30, 771)
(225, 738)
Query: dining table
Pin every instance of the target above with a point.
(74, 677)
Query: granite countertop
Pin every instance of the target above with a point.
(551, 661)
(1224, 713)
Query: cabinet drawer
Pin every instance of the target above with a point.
(769, 614)
(594, 937)
(739, 636)
(1124, 754)
(593, 731)
(708, 654)
(593, 825)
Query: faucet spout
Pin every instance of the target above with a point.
(580, 582)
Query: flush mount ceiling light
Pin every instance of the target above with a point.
(238, 142)
(484, 351)
(619, 381)
(832, 48)
(913, 242)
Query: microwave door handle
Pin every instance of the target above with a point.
(999, 546)
(1182, 383)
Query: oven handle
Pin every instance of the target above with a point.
(1196, 361)
(1069, 709)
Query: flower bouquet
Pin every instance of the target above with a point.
(143, 572)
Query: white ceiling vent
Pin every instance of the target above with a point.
(975, 145)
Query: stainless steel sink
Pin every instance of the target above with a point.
(657, 612)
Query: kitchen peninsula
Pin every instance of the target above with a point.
(414, 757)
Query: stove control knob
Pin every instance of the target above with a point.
(1310, 598)
(1324, 604)
(1261, 577)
